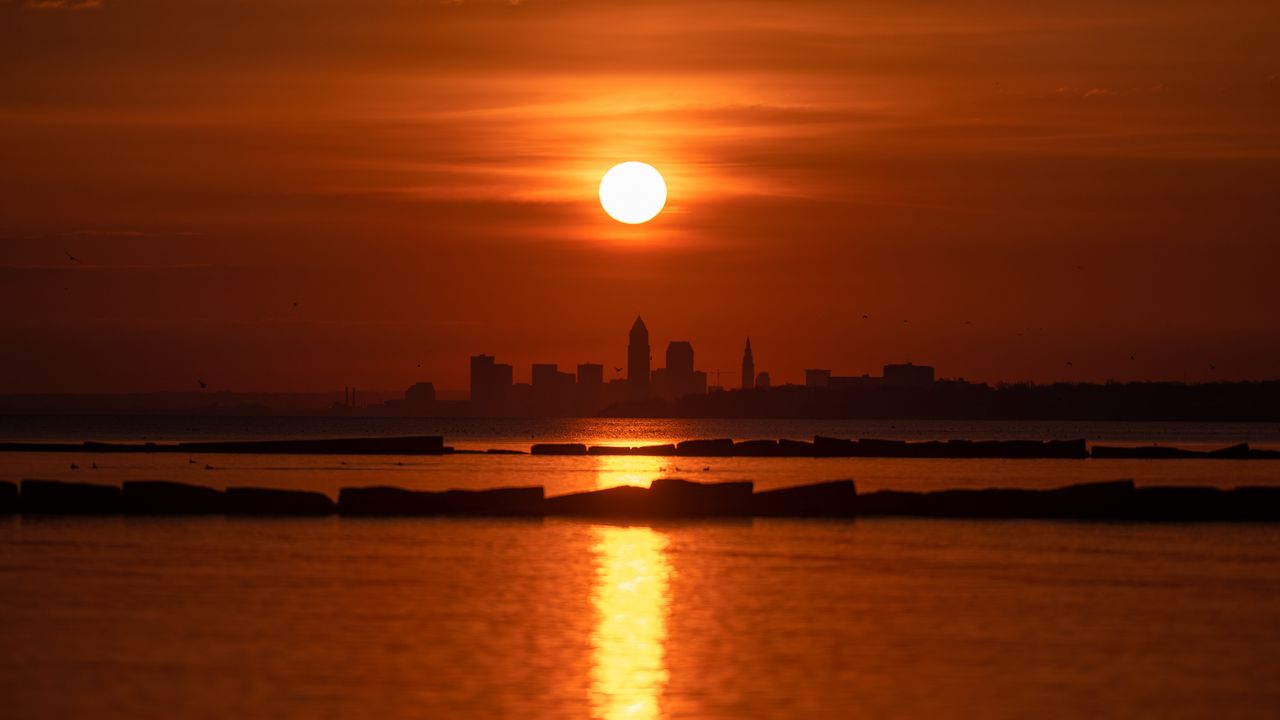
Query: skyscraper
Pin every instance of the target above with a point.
(678, 378)
(490, 382)
(748, 368)
(481, 379)
(638, 360)
(680, 357)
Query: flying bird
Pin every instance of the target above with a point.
(202, 384)
(864, 317)
(71, 257)
(617, 369)
(1130, 357)
(1069, 364)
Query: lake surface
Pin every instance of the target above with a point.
(227, 617)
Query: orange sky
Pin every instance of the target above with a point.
(1081, 181)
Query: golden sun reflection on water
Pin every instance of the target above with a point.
(632, 602)
(638, 470)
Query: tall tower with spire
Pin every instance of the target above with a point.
(638, 360)
(748, 368)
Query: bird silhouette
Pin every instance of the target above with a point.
(864, 317)
(295, 304)
(202, 384)
(1130, 357)
(1069, 364)
(617, 369)
(191, 461)
(71, 257)
(75, 466)
(208, 467)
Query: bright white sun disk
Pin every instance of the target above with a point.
(633, 192)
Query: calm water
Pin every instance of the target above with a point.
(219, 617)
(334, 618)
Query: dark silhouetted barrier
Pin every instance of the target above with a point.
(823, 447)
(1181, 503)
(1256, 503)
(867, 447)
(158, 497)
(558, 449)
(665, 498)
(1162, 452)
(8, 498)
(270, 501)
(838, 498)
(51, 497)
(722, 447)
(682, 498)
(663, 450)
(757, 448)
(625, 502)
(795, 448)
(1098, 501)
(398, 502)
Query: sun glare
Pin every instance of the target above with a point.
(633, 192)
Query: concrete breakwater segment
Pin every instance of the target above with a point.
(826, 447)
(665, 499)
(819, 447)
(386, 501)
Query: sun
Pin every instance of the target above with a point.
(633, 192)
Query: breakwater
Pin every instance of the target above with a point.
(819, 447)
(670, 498)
